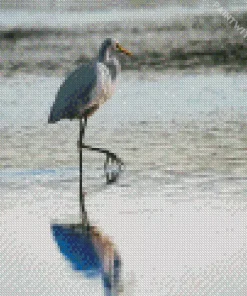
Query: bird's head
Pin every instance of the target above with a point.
(110, 46)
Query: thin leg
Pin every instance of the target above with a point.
(83, 122)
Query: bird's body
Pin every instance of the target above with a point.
(89, 86)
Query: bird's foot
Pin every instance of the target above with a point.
(112, 170)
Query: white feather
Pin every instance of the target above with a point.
(105, 85)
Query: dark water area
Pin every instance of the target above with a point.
(160, 41)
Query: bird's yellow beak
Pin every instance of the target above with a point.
(123, 50)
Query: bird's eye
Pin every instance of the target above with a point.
(117, 45)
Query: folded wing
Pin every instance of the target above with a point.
(75, 94)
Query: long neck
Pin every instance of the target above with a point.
(104, 54)
(109, 60)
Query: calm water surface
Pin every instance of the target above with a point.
(181, 201)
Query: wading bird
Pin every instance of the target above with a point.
(80, 95)
(84, 90)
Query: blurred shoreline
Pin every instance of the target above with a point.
(167, 41)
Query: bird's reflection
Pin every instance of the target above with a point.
(90, 252)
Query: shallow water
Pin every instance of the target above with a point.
(177, 214)
(173, 236)
(194, 123)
